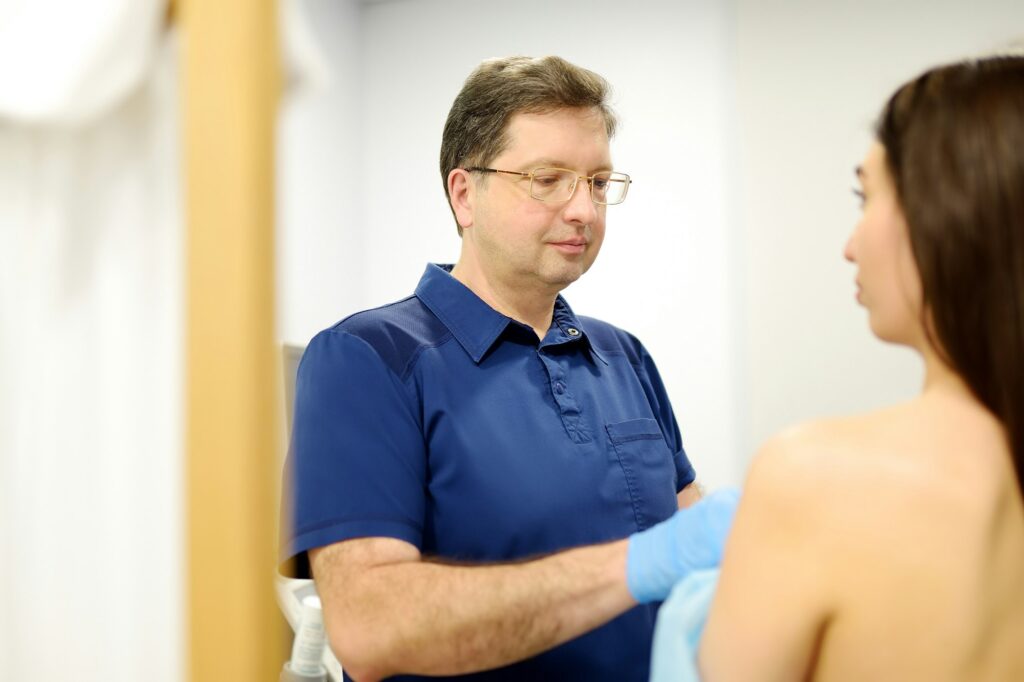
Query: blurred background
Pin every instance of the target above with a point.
(741, 124)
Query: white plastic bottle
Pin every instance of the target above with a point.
(308, 649)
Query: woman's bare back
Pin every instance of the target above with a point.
(930, 583)
(906, 553)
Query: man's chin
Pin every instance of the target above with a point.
(563, 277)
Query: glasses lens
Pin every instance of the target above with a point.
(552, 184)
(609, 188)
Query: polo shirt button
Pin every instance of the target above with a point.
(559, 388)
(572, 331)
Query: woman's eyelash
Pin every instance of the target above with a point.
(858, 193)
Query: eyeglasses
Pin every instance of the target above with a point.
(558, 184)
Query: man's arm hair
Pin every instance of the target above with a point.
(387, 610)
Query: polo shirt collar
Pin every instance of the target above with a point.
(570, 329)
(476, 325)
(473, 323)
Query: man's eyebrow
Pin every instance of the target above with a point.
(544, 162)
(548, 162)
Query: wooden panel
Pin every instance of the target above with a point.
(230, 92)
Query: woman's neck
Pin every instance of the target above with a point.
(941, 379)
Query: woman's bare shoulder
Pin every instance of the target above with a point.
(917, 459)
(816, 454)
(872, 516)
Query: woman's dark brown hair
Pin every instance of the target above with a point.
(954, 141)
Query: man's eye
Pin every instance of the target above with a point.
(546, 180)
(601, 183)
(859, 194)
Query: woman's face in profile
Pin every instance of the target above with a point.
(888, 284)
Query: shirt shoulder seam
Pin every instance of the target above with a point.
(410, 363)
(409, 366)
(342, 321)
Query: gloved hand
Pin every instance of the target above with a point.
(691, 539)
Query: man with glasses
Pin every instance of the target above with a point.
(483, 481)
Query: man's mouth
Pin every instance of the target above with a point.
(571, 246)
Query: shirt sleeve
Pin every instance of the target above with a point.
(662, 407)
(357, 462)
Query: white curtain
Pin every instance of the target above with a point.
(91, 336)
(91, 328)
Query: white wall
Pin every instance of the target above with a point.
(741, 124)
(320, 269)
(811, 78)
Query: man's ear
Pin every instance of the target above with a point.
(462, 194)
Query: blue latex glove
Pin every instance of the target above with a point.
(691, 539)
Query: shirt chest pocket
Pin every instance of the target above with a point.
(648, 468)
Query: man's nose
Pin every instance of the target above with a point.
(581, 208)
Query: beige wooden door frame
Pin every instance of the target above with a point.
(230, 80)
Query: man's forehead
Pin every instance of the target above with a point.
(583, 117)
(558, 138)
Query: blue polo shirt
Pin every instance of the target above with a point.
(441, 422)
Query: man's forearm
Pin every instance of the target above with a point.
(690, 495)
(440, 619)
